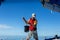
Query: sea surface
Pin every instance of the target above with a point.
(19, 38)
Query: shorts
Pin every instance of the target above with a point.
(32, 33)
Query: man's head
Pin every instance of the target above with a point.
(33, 15)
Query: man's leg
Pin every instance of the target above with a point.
(35, 35)
(29, 35)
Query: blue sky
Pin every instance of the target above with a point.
(11, 22)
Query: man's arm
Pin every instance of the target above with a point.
(35, 22)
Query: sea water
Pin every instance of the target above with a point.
(18, 38)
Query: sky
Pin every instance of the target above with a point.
(11, 13)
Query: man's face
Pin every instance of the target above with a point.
(33, 17)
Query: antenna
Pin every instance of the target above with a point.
(51, 11)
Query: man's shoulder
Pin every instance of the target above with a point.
(33, 19)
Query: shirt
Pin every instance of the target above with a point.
(32, 23)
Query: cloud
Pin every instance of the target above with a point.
(10, 30)
(3, 26)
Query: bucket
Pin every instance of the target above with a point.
(26, 28)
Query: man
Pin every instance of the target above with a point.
(32, 27)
